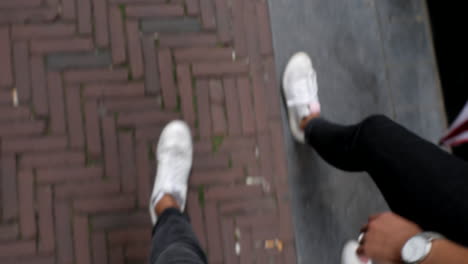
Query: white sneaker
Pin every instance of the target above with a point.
(174, 156)
(349, 255)
(300, 91)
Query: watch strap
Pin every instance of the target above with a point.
(431, 236)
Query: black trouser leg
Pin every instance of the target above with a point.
(420, 181)
(174, 240)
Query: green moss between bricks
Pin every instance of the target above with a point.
(201, 196)
(122, 11)
(216, 142)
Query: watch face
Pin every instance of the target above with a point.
(415, 249)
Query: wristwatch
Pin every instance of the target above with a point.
(418, 247)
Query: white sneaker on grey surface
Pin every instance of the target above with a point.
(349, 255)
(174, 157)
(300, 91)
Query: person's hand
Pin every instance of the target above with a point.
(385, 236)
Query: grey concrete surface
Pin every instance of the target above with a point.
(371, 57)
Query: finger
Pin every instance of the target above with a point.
(360, 251)
(365, 228)
(375, 216)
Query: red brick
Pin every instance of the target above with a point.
(265, 158)
(228, 235)
(68, 9)
(22, 128)
(18, 248)
(203, 69)
(213, 177)
(95, 75)
(167, 79)
(81, 239)
(240, 43)
(39, 85)
(42, 14)
(134, 104)
(137, 252)
(134, 49)
(203, 54)
(48, 160)
(221, 193)
(84, 17)
(195, 212)
(21, 64)
(233, 111)
(110, 147)
(8, 232)
(193, 7)
(247, 247)
(42, 31)
(223, 20)
(87, 190)
(145, 118)
(114, 90)
(273, 94)
(14, 114)
(260, 103)
(116, 254)
(264, 28)
(231, 144)
(6, 97)
(58, 175)
(252, 33)
(213, 233)
(247, 207)
(144, 182)
(203, 105)
(99, 247)
(218, 161)
(148, 133)
(217, 107)
(186, 93)
(127, 162)
(35, 144)
(46, 220)
(208, 14)
(137, 1)
(101, 32)
(74, 117)
(73, 44)
(6, 74)
(279, 150)
(117, 35)
(129, 236)
(151, 65)
(166, 10)
(56, 106)
(203, 146)
(122, 220)
(246, 106)
(20, 4)
(93, 135)
(63, 232)
(8, 184)
(188, 40)
(243, 158)
(105, 204)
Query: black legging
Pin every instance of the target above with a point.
(419, 181)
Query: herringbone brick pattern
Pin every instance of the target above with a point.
(85, 89)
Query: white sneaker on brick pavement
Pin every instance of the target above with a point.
(174, 155)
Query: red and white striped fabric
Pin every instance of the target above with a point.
(458, 131)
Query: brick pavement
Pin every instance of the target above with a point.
(85, 89)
